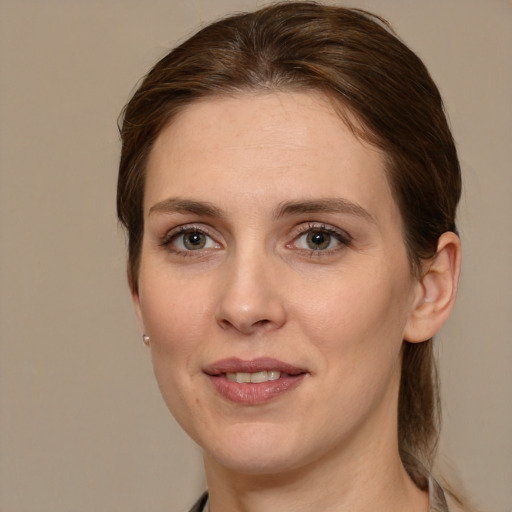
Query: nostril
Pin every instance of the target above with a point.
(245, 327)
(225, 324)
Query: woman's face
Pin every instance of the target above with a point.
(273, 252)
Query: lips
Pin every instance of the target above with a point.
(235, 365)
(255, 381)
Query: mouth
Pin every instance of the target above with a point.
(255, 378)
(237, 366)
(255, 381)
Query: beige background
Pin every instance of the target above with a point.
(82, 426)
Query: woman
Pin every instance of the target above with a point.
(289, 184)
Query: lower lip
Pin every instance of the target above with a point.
(254, 394)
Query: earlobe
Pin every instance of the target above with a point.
(437, 291)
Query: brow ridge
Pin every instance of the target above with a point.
(324, 205)
(179, 205)
(306, 206)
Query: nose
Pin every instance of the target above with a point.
(250, 301)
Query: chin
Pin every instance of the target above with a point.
(256, 463)
(255, 449)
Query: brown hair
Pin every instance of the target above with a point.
(355, 59)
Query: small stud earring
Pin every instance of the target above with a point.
(145, 339)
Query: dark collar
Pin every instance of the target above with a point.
(200, 503)
(437, 500)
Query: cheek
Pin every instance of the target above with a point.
(174, 315)
(357, 336)
(355, 305)
(175, 319)
(356, 326)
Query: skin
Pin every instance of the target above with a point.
(257, 288)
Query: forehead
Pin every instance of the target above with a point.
(266, 119)
(271, 146)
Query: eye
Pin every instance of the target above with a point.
(189, 239)
(318, 240)
(321, 238)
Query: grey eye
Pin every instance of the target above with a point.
(194, 241)
(318, 240)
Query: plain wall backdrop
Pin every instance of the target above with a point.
(82, 425)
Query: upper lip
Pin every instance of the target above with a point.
(236, 365)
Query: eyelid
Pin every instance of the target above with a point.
(183, 229)
(343, 237)
(304, 227)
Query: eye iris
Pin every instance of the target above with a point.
(318, 240)
(194, 241)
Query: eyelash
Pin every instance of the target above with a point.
(176, 233)
(340, 236)
(344, 239)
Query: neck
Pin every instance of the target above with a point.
(354, 489)
(360, 477)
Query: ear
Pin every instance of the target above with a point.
(437, 289)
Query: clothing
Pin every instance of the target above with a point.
(437, 500)
(200, 504)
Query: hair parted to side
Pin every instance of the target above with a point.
(354, 58)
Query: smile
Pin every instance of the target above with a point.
(253, 382)
(255, 378)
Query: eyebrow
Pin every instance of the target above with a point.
(207, 209)
(177, 205)
(328, 205)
